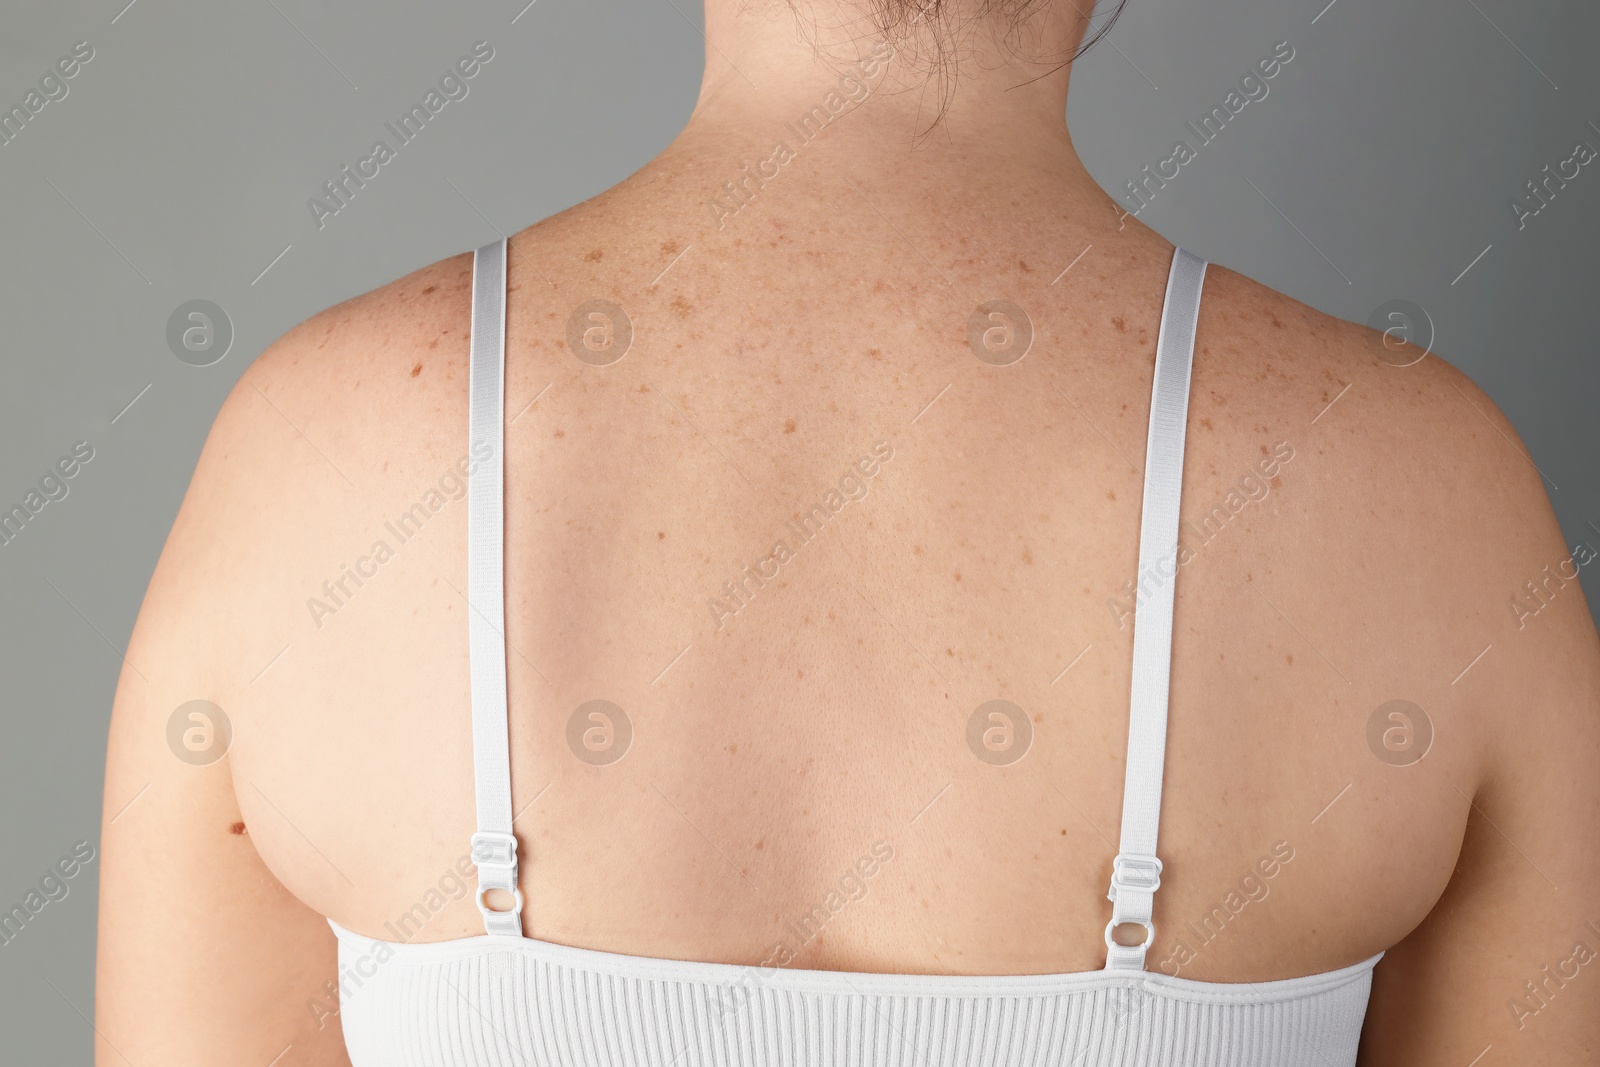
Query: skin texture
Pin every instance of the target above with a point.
(773, 747)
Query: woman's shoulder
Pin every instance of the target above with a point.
(359, 402)
(408, 336)
(1418, 485)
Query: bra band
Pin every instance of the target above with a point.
(1136, 871)
(494, 849)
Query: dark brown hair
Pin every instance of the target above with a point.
(925, 33)
(899, 20)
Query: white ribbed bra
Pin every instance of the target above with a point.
(504, 1000)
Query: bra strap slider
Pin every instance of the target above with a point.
(1135, 872)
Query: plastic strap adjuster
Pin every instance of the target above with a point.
(1135, 872)
(494, 850)
(495, 856)
(1135, 877)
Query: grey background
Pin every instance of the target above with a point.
(178, 168)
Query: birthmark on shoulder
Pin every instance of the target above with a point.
(418, 368)
(595, 256)
(238, 828)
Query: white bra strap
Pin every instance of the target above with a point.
(1136, 872)
(494, 849)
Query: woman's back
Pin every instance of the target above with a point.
(782, 494)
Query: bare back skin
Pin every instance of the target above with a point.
(1359, 533)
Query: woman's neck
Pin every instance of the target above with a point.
(971, 86)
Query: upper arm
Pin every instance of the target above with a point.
(1509, 958)
(204, 957)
